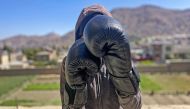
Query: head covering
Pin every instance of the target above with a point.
(85, 15)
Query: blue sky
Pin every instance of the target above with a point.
(38, 17)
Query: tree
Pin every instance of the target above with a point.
(31, 52)
(7, 48)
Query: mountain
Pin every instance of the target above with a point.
(35, 41)
(68, 39)
(23, 41)
(149, 20)
(140, 22)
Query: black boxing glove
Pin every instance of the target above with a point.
(81, 65)
(104, 37)
(71, 98)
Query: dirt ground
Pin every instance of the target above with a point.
(169, 99)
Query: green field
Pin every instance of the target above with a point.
(39, 90)
(17, 102)
(165, 83)
(8, 83)
(44, 89)
(155, 82)
(42, 86)
(160, 83)
(148, 85)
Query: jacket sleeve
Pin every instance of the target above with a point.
(62, 81)
(131, 102)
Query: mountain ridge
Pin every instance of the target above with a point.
(142, 21)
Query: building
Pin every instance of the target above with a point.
(158, 51)
(4, 60)
(13, 60)
(43, 56)
(181, 51)
(18, 56)
(18, 60)
(46, 55)
(170, 47)
(62, 53)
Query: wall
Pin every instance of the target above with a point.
(173, 67)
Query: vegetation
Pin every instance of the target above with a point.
(147, 84)
(42, 86)
(157, 83)
(31, 52)
(165, 83)
(42, 90)
(44, 63)
(147, 62)
(16, 102)
(56, 102)
(7, 48)
(8, 83)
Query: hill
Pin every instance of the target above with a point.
(149, 20)
(143, 21)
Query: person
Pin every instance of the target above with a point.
(97, 72)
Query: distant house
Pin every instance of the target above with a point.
(43, 56)
(62, 53)
(4, 60)
(53, 55)
(182, 51)
(171, 47)
(18, 60)
(46, 55)
(158, 51)
(18, 56)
